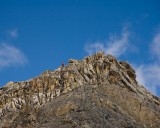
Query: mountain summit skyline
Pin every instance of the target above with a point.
(38, 35)
(95, 92)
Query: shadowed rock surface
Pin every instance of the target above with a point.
(96, 92)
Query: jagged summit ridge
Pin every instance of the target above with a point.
(96, 71)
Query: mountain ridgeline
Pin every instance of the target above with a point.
(96, 92)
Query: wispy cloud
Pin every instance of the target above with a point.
(142, 18)
(155, 46)
(149, 74)
(13, 33)
(116, 45)
(11, 56)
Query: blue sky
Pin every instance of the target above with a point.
(37, 35)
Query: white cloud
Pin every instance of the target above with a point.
(11, 56)
(92, 48)
(116, 45)
(155, 47)
(13, 33)
(149, 76)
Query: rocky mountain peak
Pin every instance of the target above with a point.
(99, 86)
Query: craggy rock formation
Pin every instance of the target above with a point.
(96, 92)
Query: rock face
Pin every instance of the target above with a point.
(96, 92)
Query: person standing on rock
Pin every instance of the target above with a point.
(62, 64)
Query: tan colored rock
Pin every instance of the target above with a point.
(73, 61)
(65, 109)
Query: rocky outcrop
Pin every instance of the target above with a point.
(98, 91)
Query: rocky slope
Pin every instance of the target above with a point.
(96, 92)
